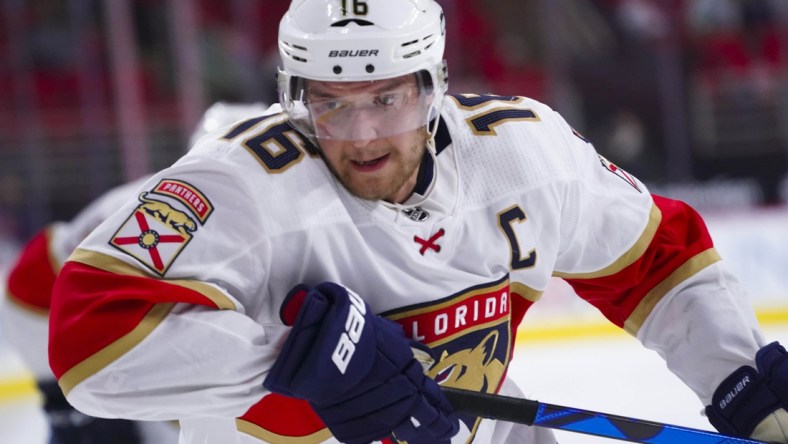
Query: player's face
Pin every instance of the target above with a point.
(372, 134)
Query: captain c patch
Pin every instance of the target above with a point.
(155, 233)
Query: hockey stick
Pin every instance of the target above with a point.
(535, 413)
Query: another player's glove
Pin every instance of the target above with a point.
(70, 426)
(357, 370)
(752, 403)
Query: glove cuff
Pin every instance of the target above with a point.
(288, 311)
(740, 402)
(772, 362)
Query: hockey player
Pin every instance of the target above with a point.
(278, 282)
(29, 290)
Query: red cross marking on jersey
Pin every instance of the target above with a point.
(149, 239)
(430, 244)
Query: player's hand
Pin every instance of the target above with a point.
(752, 402)
(773, 428)
(357, 370)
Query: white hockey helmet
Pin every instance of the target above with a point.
(360, 40)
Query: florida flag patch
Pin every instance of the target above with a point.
(154, 234)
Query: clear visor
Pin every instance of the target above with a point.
(361, 110)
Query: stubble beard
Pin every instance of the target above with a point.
(372, 186)
(383, 188)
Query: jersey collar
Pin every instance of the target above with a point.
(427, 167)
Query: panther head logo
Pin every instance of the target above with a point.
(474, 369)
(178, 220)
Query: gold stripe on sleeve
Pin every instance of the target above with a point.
(268, 436)
(526, 292)
(114, 265)
(629, 257)
(689, 268)
(110, 353)
(54, 262)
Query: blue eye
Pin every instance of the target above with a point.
(329, 105)
(324, 106)
(387, 100)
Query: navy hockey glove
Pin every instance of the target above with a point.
(357, 370)
(751, 403)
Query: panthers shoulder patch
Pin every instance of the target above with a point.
(156, 233)
(187, 194)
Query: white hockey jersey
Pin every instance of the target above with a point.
(169, 310)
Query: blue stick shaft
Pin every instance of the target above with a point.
(529, 412)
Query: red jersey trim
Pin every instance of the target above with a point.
(116, 349)
(30, 280)
(691, 267)
(117, 266)
(525, 292)
(681, 246)
(267, 436)
(98, 314)
(281, 419)
(630, 256)
(523, 298)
